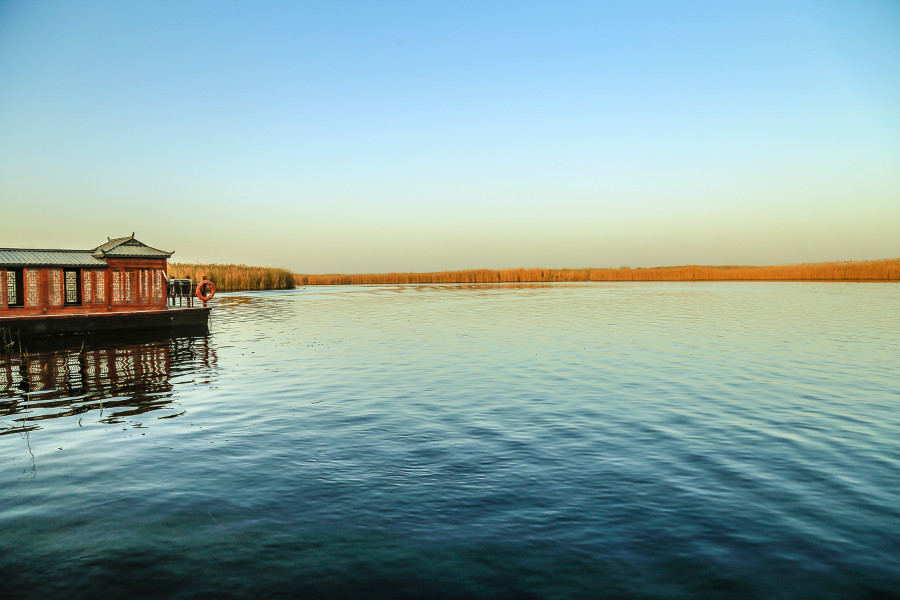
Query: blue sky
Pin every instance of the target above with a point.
(407, 136)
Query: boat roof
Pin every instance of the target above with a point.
(21, 257)
(123, 247)
(128, 247)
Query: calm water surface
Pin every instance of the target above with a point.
(564, 441)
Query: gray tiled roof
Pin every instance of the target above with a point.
(124, 247)
(112, 243)
(17, 257)
(128, 247)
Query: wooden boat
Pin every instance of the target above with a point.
(118, 286)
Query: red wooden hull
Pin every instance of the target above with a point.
(190, 320)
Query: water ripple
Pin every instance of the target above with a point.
(546, 441)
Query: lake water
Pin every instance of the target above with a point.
(655, 440)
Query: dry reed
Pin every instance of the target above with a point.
(235, 277)
(871, 270)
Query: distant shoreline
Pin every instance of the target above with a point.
(885, 270)
(230, 277)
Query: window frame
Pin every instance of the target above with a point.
(87, 286)
(130, 286)
(18, 288)
(118, 288)
(99, 286)
(32, 287)
(76, 275)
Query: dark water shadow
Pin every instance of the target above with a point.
(119, 376)
(14, 345)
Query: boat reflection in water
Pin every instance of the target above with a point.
(118, 380)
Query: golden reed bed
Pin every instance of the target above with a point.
(871, 270)
(235, 277)
(243, 277)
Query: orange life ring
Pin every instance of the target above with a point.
(212, 290)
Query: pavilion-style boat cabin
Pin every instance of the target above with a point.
(118, 286)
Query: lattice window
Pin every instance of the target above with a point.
(145, 285)
(117, 286)
(86, 287)
(129, 286)
(100, 287)
(15, 287)
(157, 284)
(71, 283)
(56, 287)
(31, 288)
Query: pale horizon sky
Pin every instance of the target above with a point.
(422, 136)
